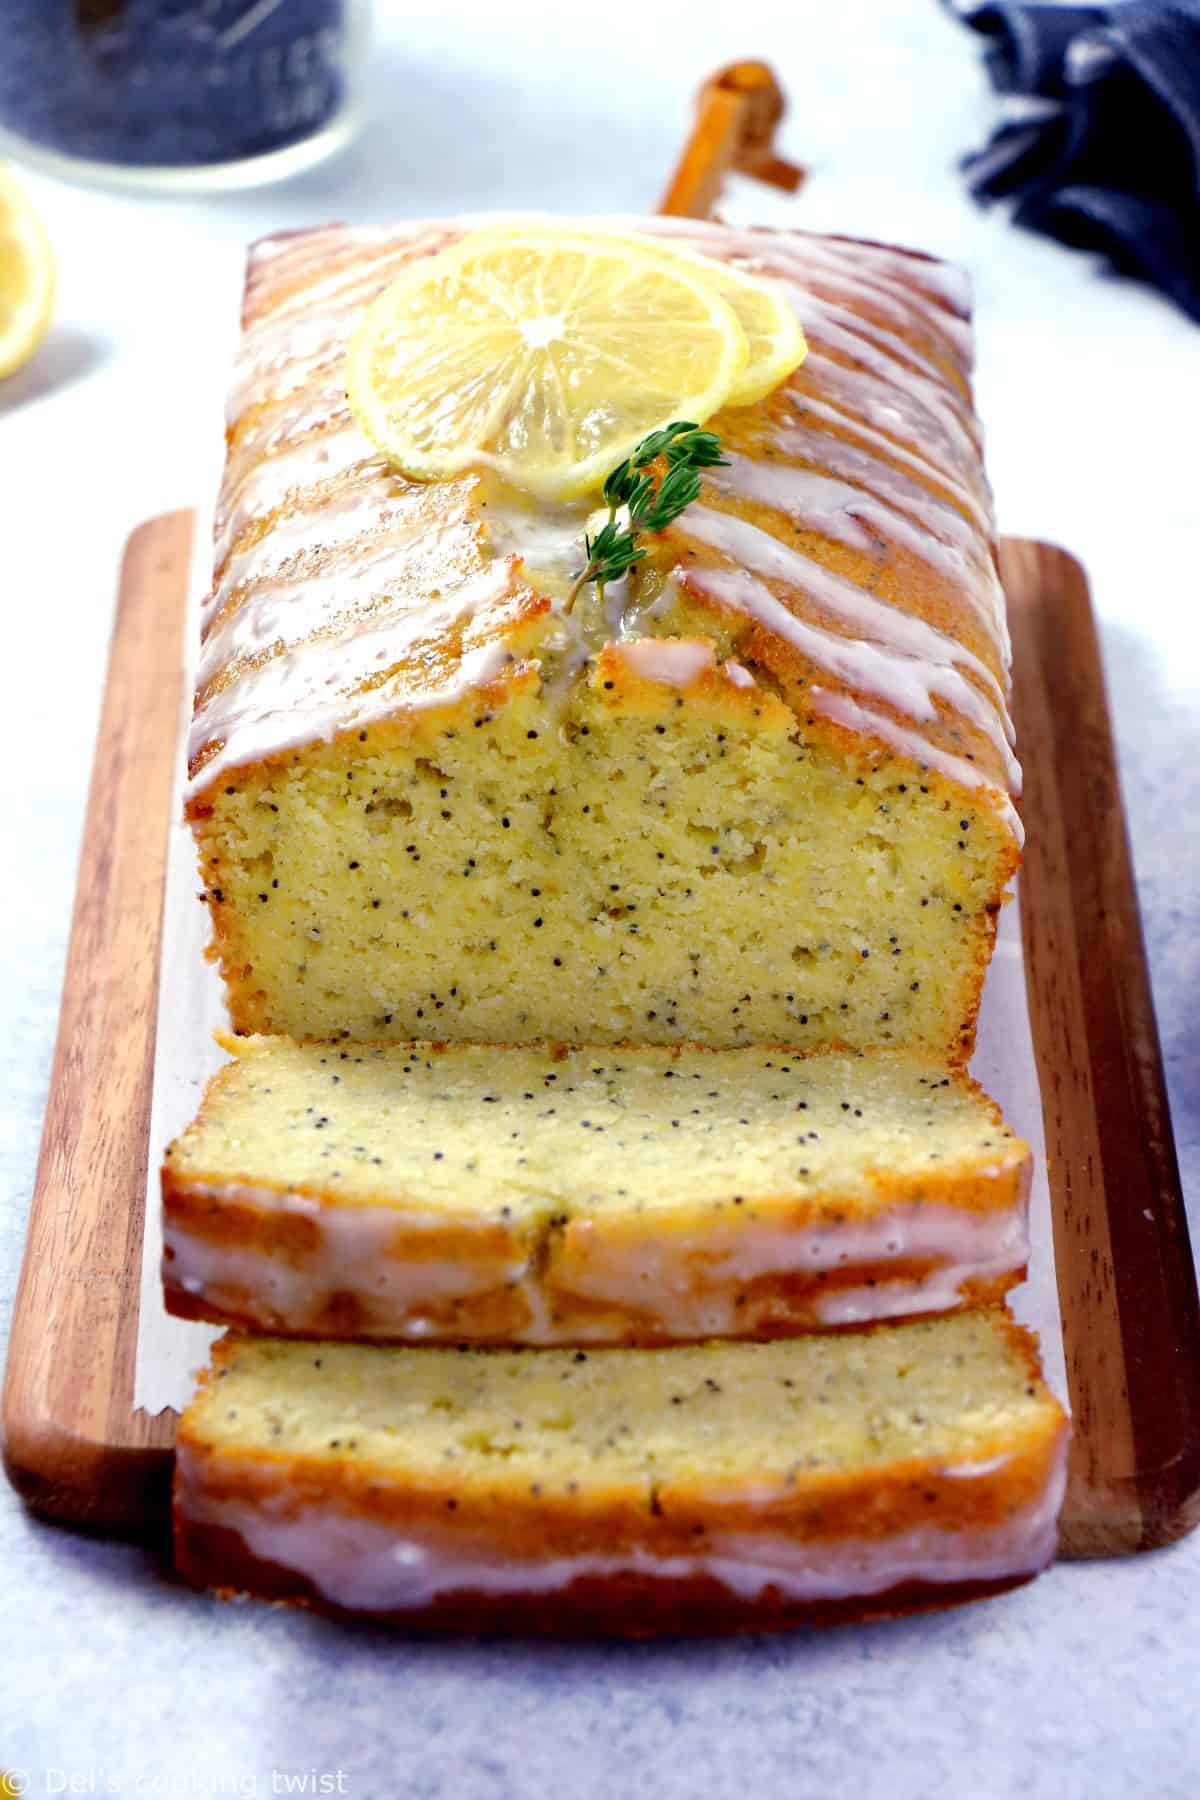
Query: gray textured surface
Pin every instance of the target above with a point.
(1083, 1685)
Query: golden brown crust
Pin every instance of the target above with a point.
(819, 1506)
(769, 1308)
(511, 1520)
(483, 1518)
(558, 1279)
(627, 1606)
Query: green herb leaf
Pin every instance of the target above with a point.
(652, 505)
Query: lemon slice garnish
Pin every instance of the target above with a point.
(545, 354)
(26, 277)
(768, 318)
(774, 338)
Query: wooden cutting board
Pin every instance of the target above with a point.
(77, 1449)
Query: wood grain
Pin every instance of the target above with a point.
(78, 1451)
(1126, 1279)
(73, 1444)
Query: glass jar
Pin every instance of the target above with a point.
(178, 93)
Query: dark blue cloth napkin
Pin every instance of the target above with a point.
(1099, 139)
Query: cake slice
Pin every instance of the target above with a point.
(714, 1488)
(535, 1195)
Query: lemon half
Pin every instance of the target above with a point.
(545, 354)
(26, 277)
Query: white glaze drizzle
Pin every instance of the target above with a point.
(691, 1287)
(316, 410)
(927, 403)
(860, 518)
(892, 459)
(923, 372)
(676, 662)
(897, 674)
(267, 372)
(937, 291)
(270, 483)
(365, 1565)
(305, 328)
(890, 411)
(885, 354)
(899, 490)
(346, 560)
(883, 1300)
(299, 449)
(828, 265)
(886, 624)
(840, 709)
(688, 1286)
(808, 496)
(335, 520)
(354, 1252)
(897, 302)
(304, 696)
(549, 541)
(905, 682)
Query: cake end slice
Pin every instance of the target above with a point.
(708, 1489)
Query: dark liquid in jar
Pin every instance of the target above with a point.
(175, 83)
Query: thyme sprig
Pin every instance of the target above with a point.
(651, 503)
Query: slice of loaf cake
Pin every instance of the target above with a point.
(760, 794)
(634, 1492)
(533, 1195)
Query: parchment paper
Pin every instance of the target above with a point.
(191, 1008)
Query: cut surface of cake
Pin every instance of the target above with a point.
(761, 793)
(633, 1492)
(530, 1195)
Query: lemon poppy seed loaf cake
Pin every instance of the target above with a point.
(603, 896)
(634, 1492)
(527, 1195)
(761, 794)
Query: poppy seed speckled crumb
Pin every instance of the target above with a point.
(661, 1193)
